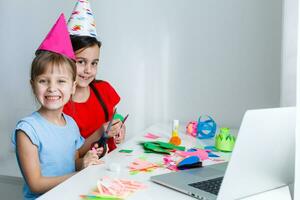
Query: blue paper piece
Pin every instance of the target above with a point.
(191, 150)
(189, 160)
(210, 154)
(212, 148)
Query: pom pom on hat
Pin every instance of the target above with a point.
(82, 22)
(58, 39)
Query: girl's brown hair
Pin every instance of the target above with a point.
(44, 59)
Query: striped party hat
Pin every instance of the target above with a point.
(82, 22)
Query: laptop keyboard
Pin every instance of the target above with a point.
(211, 186)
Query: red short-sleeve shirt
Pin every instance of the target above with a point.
(90, 115)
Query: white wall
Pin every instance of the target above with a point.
(289, 69)
(167, 59)
(289, 53)
(186, 58)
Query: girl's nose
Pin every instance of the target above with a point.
(52, 86)
(87, 68)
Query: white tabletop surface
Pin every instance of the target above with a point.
(85, 181)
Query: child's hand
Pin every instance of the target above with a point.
(119, 138)
(98, 150)
(91, 158)
(114, 129)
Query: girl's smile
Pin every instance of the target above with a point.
(87, 63)
(54, 87)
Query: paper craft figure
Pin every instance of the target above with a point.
(224, 141)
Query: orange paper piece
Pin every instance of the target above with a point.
(140, 164)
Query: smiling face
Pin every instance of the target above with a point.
(87, 62)
(52, 80)
(54, 87)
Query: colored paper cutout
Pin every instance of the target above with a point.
(142, 165)
(154, 148)
(189, 162)
(126, 151)
(151, 136)
(202, 154)
(212, 148)
(160, 147)
(113, 189)
(210, 154)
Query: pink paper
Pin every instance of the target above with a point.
(120, 188)
(151, 136)
(202, 154)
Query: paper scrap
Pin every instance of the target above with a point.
(151, 136)
(114, 189)
(202, 154)
(126, 151)
(212, 148)
(142, 165)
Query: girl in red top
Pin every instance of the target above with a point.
(93, 103)
(90, 110)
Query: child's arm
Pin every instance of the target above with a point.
(96, 136)
(31, 168)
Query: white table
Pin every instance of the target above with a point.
(84, 181)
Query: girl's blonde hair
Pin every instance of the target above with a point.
(46, 59)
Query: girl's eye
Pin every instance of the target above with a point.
(80, 62)
(42, 81)
(94, 64)
(61, 81)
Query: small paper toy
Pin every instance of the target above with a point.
(224, 141)
(206, 127)
(58, 39)
(189, 162)
(191, 128)
(82, 22)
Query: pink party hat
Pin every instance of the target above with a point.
(58, 39)
(82, 22)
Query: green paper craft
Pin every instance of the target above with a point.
(126, 151)
(170, 146)
(118, 116)
(149, 146)
(224, 141)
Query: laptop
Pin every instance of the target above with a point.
(262, 160)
